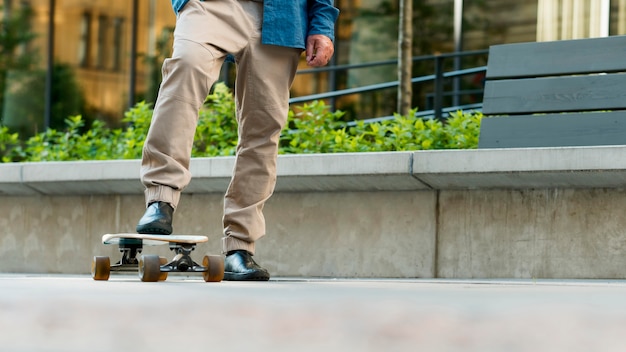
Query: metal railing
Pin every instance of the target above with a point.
(438, 78)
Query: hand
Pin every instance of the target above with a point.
(319, 50)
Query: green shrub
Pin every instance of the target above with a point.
(216, 134)
(317, 130)
(313, 128)
(9, 143)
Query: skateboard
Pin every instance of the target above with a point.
(152, 268)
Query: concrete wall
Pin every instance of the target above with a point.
(515, 213)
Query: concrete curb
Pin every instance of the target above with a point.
(579, 167)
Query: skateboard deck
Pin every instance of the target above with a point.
(152, 239)
(153, 268)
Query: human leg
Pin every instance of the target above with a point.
(187, 77)
(264, 76)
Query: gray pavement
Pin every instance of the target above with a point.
(75, 313)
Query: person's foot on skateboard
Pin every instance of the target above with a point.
(157, 219)
(239, 266)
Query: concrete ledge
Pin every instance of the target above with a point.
(524, 168)
(317, 172)
(82, 177)
(347, 172)
(579, 167)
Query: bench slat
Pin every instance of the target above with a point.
(557, 58)
(555, 94)
(562, 130)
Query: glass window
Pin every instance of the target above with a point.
(103, 45)
(618, 17)
(22, 79)
(116, 50)
(85, 40)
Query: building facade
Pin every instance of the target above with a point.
(110, 52)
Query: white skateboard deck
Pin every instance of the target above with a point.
(153, 239)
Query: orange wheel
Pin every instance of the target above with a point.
(163, 276)
(100, 268)
(215, 268)
(149, 268)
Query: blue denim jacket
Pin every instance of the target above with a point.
(289, 22)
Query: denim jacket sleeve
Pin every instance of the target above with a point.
(289, 22)
(322, 16)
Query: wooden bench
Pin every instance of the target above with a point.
(555, 94)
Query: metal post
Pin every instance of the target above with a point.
(458, 47)
(438, 108)
(152, 51)
(405, 61)
(132, 82)
(332, 75)
(332, 79)
(50, 68)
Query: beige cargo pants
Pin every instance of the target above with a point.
(205, 33)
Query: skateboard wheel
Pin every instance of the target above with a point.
(163, 276)
(149, 268)
(100, 268)
(214, 265)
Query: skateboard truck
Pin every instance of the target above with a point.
(182, 261)
(130, 248)
(152, 267)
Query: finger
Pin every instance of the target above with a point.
(310, 49)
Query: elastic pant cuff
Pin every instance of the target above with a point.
(162, 194)
(230, 243)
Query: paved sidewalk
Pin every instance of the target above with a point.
(75, 313)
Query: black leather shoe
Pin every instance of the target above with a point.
(239, 266)
(157, 219)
